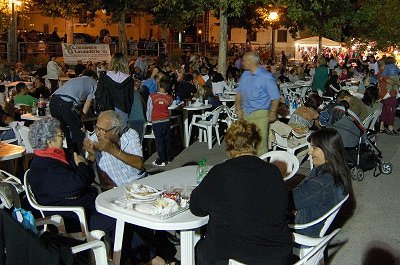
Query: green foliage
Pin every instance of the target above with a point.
(66, 8)
(116, 8)
(375, 22)
(320, 17)
(176, 14)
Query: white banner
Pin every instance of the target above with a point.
(85, 52)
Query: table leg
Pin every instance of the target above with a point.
(187, 247)
(186, 125)
(119, 235)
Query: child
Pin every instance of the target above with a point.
(158, 114)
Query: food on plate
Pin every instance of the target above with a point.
(160, 206)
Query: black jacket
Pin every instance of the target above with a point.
(120, 94)
(19, 246)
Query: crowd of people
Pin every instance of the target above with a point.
(250, 221)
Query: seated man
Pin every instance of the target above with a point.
(117, 150)
(22, 96)
(356, 104)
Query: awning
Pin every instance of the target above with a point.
(314, 41)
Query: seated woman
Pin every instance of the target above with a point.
(59, 180)
(326, 185)
(219, 84)
(246, 200)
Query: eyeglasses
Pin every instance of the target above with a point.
(60, 135)
(103, 130)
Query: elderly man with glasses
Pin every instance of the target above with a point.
(116, 150)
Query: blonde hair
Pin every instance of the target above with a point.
(119, 63)
(242, 137)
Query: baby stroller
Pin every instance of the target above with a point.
(359, 140)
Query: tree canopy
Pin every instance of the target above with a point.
(66, 8)
(374, 21)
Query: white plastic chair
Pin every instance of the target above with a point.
(79, 211)
(24, 134)
(327, 219)
(281, 142)
(291, 95)
(317, 246)
(207, 122)
(230, 116)
(303, 93)
(290, 159)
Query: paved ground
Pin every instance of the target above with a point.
(372, 234)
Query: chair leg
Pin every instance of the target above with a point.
(217, 134)
(190, 132)
(209, 137)
(203, 135)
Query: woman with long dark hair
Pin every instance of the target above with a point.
(327, 184)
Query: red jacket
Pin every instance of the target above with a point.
(161, 102)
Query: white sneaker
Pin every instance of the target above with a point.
(158, 164)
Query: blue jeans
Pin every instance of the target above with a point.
(162, 133)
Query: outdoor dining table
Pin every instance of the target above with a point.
(193, 107)
(10, 151)
(185, 221)
(32, 117)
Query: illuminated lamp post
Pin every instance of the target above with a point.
(273, 17)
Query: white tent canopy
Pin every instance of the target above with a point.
(311, 41)
(309, 46)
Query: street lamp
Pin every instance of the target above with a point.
(273, 17)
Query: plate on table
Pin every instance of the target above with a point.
(160, 206)
(197, 104)
(141, 192)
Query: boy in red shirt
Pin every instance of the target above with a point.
(158, 114)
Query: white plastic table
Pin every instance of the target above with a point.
(31, 117)
(10, 151)
(186, 118)
(185, 222)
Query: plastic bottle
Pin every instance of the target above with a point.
(201, 170)
(294, 105)
(41, 106)
(34, 108)
(178, 100)
(287, 102)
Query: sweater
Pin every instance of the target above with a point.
(246, 200)
(121, 93)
